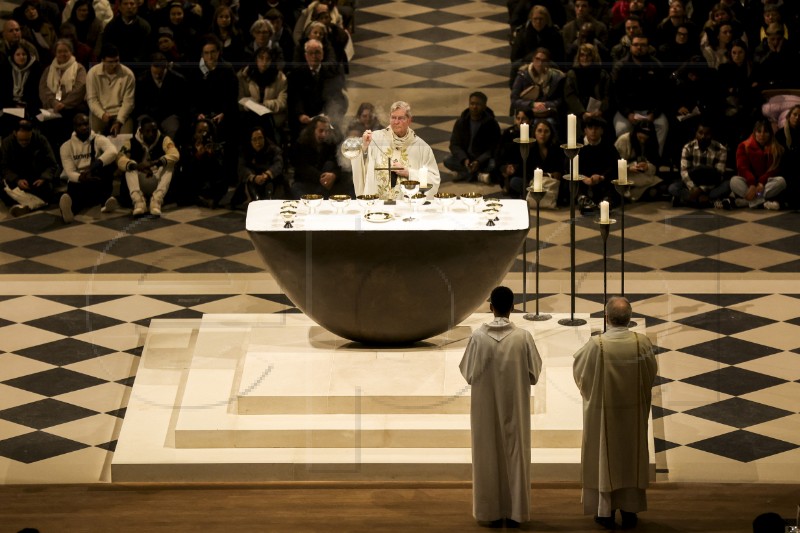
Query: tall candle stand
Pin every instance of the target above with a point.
(605, 226)
(571, 152)
(524, 150)
(537, 196)
(624, 192)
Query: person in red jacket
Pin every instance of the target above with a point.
(758, 160)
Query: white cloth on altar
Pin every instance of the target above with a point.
(386, 150)
(501, 363)
(615, 373)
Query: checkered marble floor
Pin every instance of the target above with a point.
(718, 290)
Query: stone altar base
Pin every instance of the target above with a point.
(242, 398)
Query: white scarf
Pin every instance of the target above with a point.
(62, 75)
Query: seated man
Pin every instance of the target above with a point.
(87, 158)
(161, 94)
(597, 166)
(110, 94)
(315, 88)
(200, 179)
(473, 141)
(28, 166)
(148, 160)
(316, 170)
(702, 172)
(638, 84)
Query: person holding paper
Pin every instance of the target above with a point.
(394, 154)
(639, 149)
(29, 168)
(587, 88)
(473, 141)
(263, 85)
(62, 89)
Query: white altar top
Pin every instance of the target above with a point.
(265, 215)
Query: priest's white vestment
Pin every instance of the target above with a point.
(501, 363)
(615, 372)
(387, 150)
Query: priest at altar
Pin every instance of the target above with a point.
(397, 148)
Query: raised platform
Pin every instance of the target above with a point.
(278, 398)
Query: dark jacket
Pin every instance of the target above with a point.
(161, 102)
(483, 145)
(32, 162)
(639, 86)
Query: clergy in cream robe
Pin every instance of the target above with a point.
(615, 372)
(501, 363)
(396, 147)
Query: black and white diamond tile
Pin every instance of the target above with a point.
(729, 357)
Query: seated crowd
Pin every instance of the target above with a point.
(170, 101)
(182, 101)
(706, 88)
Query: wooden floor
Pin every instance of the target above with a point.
(300, 507)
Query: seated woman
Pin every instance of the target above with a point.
(19, 86)
(509, 158)
(88, 25)
(546, 155)
(265, 85)
(717, 49)
(540, 87)
(640, 149)
(316, 170)
(225, 29)
(62, 88)
(260, 168)
(789, 138)
(263, 32)
(366, 119)
(587, 86)
(37, 30)
(758, 160)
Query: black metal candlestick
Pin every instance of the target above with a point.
(571, 152)
(624, 190)
(605, 226)
(524, 150)
(537, 196)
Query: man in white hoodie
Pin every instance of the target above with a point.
(88, 161)
(501, 363)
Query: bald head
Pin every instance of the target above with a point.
(618, 311)
(12, 33)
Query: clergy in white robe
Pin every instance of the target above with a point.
(501, 363)
(396, 147)
(615, 372)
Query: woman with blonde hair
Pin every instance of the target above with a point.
(62, 89)
(587, 87)
(758, 162)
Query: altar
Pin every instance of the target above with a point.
(388, 274)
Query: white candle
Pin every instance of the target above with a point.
(524, 136)
(422, 177)
(604, 212)
(622, 171)
(571, 128)
(537, 180)
(575, 172)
